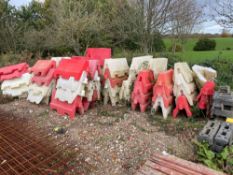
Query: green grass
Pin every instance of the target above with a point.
(198, 57)
(221, 43)
(221, 50)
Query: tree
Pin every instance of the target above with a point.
(186, 14)
(9, 28)
(224, 10)
(73, 24)
(154, 17)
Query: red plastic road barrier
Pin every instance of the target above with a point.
(144, 81)
(140, 98)
(99, 54)
(163, 87)
(15, 74)
(142, 91)
(16, 71)
(114, 81)
(71, 68)
(42, 67)
(12, 68)
(64, 108)
(205, 95)
(93, 68)
(43, 80)
(142, 106)
(182, 104)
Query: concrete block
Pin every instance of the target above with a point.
(225, 135)
(222, 103)
(209, 132)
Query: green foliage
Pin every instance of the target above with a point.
(218, 161)
(158, 44)
(224, 68)
(204, 44)
(176, 48)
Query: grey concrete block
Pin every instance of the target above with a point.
(223, 103)
(209, 131)
(224, 135)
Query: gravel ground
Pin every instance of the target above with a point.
(116, 140)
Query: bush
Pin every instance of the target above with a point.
(178, 48)
(158, 43)
(205, 44)
(224, 68)
(222, 161)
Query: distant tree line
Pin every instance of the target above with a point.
(70, 26)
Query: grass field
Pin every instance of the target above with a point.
(224, 49)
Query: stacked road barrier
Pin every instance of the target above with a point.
(115, 72)
(142, 91)
(163, 93)
(42, 81)
(93, 89)
(99, 54)
(158, 65)
(76, 83)
(135, 67)
(15, 80)
(58, 59)
(203, 74)
(204, 78)
(69, 93)
(184, 88)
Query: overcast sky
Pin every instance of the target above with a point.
(210, 26)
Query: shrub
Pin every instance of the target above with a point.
(224, 68)
(177, 47)
(222, 161)
(158, 43)
(204, 44)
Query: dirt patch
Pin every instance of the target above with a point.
(120, 140)
(5, 99)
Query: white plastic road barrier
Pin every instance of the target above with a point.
(138, 61)
(72, 84)
(68, 90)
(184, 82)
(159, 103)
(58, 59)
(203, 74)
(158, 65)
(38, 94)
(111, 93)
(125, 90)
(136, 66)
(184, 69)
(16, 87)
(17, 82)
(118, 67)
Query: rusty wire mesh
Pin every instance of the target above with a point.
(27, 150)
